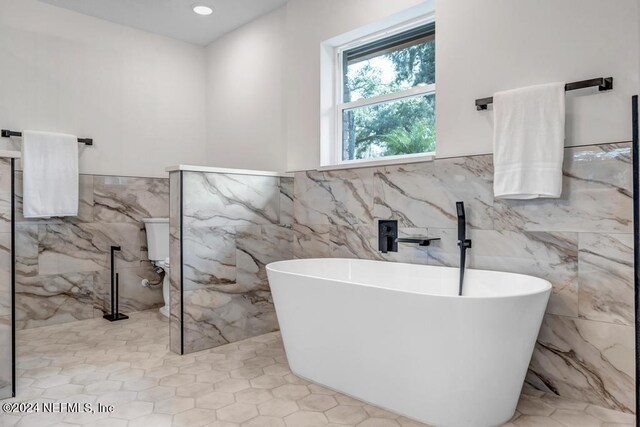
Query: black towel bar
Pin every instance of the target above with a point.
(603, 83)
(9, 133)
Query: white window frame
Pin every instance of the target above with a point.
(331, 124)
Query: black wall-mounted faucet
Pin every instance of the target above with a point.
(388, 237)
(463, 242)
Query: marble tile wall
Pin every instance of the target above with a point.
(175, 258)
(582, 243)
(232, 226)
(63, 265)
(5, 279)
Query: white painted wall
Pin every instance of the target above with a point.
(140, 96)
(309, 23)
(482, 46)
(263, 90)
(245, 96)
(491, 45)
(252, 99)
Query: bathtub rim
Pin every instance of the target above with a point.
(548, 287)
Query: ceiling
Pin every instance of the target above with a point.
(174, 18)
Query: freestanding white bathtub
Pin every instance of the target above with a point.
(398, 335)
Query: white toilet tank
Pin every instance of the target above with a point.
(157, 238)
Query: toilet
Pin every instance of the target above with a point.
(158, 245)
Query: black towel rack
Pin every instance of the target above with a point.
(603, 83)
(9, 133)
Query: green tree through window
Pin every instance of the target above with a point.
(405, 125)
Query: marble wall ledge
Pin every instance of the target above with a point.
(379, 161)
(10, 154)
(208, 169)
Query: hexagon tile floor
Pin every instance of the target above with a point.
(127, 364)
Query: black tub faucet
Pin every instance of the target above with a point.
(387, 234)
(388, 237)
(463, 242)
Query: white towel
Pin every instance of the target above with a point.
(528, 142)
(50, 174)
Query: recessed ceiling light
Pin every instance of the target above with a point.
(201, 9)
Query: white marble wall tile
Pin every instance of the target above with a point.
(596, 195)
(311, 241)
(399, 193)
(132, 295)
(5, 274)
(212, 318)
(125, 235)
(5, 195)
(606, 277)
(85, 203)
(257, 246)
(86, 199)
(425, 194)
(5, 357)
(286, 200)
(358, 241)
(341, 197)
(47, 300)
(200, 322)
(219, 200)
(67, 248)
(551, 256)
(175, 264)
(142, 238)
(26, 250)
(209, 255)
(585, 360)
(127, 199)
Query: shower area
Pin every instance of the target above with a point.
(56, 272)
(225, 226)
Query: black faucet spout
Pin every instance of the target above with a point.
(422, 241)
(388, 237)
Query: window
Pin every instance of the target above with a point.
(386, 96)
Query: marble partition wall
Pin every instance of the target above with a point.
(63, 265)
(582, 243)
(232, 226)
(175, 259)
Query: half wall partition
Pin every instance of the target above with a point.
(225, 226)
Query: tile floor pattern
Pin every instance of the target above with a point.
(248, 383)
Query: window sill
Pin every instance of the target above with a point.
(380, 162)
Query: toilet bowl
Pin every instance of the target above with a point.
(158, 247)
(164, 265)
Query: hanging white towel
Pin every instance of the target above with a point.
(528, 142)
(50, 174)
